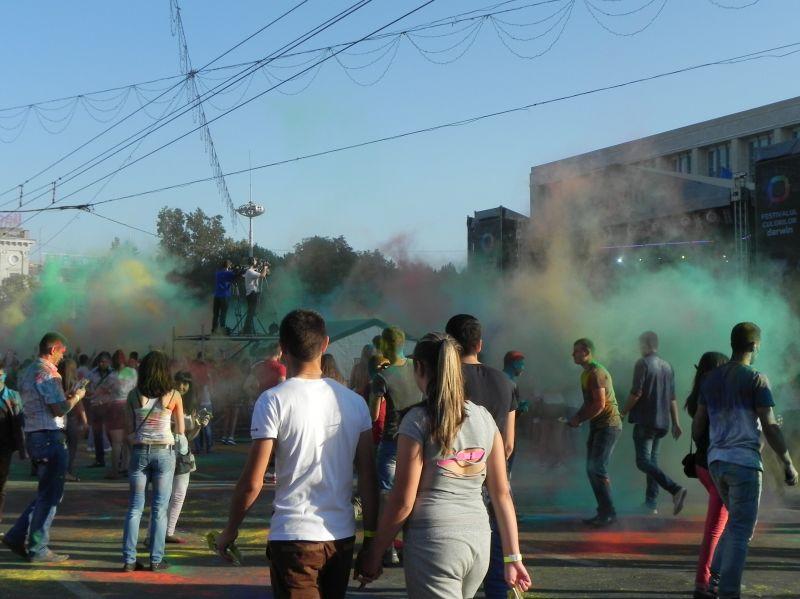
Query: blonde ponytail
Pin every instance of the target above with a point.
(438, 355)
(449, 400)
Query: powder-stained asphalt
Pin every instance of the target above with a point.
(642, 557)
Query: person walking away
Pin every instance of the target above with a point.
(492, 389)
(716, 513)
(394, 387)
(317, 429)
(447, 448)
(605, 426)
(122, 381)
(376, 364)
(11, 433)
(223, 280)
(513, 367)
(98, 393)
(651, 407)
(45, 406)
(734, 399)
(153, 408)
(77, 423)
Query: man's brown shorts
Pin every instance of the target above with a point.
(310, 569)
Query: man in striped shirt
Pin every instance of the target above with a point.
(45, 406)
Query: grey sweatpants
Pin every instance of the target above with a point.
(444, 562)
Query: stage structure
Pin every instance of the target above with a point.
(240, 342)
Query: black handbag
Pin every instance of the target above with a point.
(689, 464)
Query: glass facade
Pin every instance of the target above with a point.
(753, 144)
(682, 163)
(719, 161)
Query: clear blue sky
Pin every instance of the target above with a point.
(415, 192)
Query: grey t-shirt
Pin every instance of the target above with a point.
(732, 394)
(445, 497)
(654, 378)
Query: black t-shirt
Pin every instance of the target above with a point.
(492, 389)
(398, 386)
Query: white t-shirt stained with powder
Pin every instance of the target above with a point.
(317, 424)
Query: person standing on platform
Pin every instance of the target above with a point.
(223, 282)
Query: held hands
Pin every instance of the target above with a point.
(224, 540)
(368, 564)
(677, 431)
(574, 422)
(517, 576)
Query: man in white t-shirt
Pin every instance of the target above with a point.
(252, 290)
(317, 429)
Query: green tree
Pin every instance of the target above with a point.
(322, 264)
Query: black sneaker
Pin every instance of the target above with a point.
(136, 566)
(591, 521)
(16, 548)
(603, 521)
(698, 594)
(678, 500)
(162, 565)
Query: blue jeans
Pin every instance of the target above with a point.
(740, 490)
(494, 585)
(599, 447)
(205, 437)
(157, 466)
(387, 464)
(646, 441)
(48, 451)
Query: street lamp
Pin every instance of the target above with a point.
(250, 210)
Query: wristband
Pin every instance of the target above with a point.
(369, 534)
(510, 559)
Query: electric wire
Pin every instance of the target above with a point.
(183, 77)
(185, 108)
(242, 104)
(452, 124)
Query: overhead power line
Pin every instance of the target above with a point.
(786, 49)
(183, 78)
(188, 107)
(234, 108)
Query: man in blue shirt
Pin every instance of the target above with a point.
(652, 408)
(223, 281)
(736, 404)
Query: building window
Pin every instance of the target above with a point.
(796, 133)
(719, 161)
(753, 144)
(682, 163)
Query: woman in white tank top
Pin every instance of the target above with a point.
(152, 409)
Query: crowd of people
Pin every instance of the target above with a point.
(430, 436)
